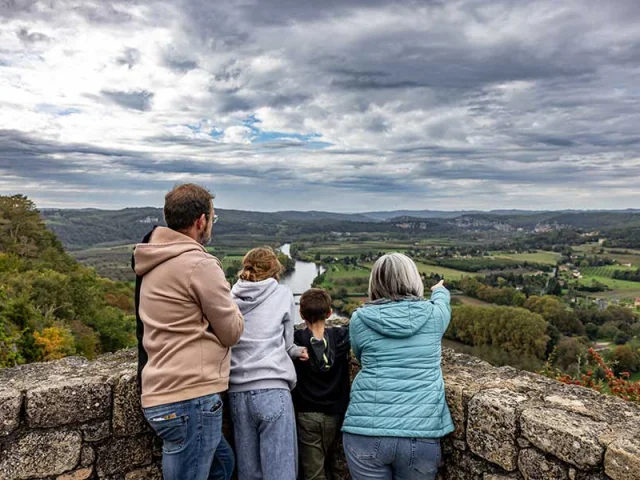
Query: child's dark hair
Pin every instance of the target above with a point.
(315, 305)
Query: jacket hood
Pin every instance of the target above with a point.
(249, 295)
(400, 319)
(163, 245)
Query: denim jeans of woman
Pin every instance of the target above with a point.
(392, 458)
(193, 445)
(264, 428)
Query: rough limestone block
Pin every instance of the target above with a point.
(123, 454)
(95, 432)
(535, 466)
(68, 401)
(41, 454)
(127, 412)
(590, 476)
(523, 442)
(497, 476)
(493, 426)
(568, 436)
(459, 444)
(622, 460)
(87, 457)
(460, 387)
(467, 462)
(456, 401)
(10, 403)
(81, 474)
(453, 472)
(149, 473)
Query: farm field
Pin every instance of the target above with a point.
(623, 259)
(346, 271)
(604, 271)
(465, 300)
(354, 279)
(543, 257)
(630, 256)
(110, 262)
(351, 248)
(229, 260)
(619, 288)
(447, 273)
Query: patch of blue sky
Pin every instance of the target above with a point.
(204, 127)
(305, 140)
(216, 133)
(260, 136)
(251, 121)
(56, 110)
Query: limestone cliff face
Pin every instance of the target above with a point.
(75, 419)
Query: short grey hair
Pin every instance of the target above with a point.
(395, 276)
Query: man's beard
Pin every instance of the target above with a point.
(204, 237)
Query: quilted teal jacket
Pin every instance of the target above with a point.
(399, 391)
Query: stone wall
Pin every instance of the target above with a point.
(75, 419)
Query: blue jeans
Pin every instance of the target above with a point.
(387, 458)
(193, 446)
(264, 428)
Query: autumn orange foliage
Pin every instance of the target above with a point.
(56, 342)
(598, 375)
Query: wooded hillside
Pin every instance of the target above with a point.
(50, 305)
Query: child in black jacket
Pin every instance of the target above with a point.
(321, 395)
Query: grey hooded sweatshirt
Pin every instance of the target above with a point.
(262, 357)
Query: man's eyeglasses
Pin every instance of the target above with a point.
(215, 219)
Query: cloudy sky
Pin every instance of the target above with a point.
(343, 105)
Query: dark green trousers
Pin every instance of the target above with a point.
(318, 434)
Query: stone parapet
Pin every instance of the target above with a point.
(75, 419)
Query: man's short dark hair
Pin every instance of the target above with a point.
(315, 305)
(185, 204)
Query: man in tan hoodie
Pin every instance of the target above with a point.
(187, 322)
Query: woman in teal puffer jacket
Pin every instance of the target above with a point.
(397, 412)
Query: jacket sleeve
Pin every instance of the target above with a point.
(143, 356)
(211, 290)
(346, 334)
(293, 350)
(441, 299)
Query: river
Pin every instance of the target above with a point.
(301, 279)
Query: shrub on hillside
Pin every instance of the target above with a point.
(508, 328)
(556, 313)
(621, 338)
(608, 331)
(570, 353)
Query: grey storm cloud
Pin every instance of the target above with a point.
(31, 37)
(135, 100)
(379, 99)
(130, 57)
(179, 62)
